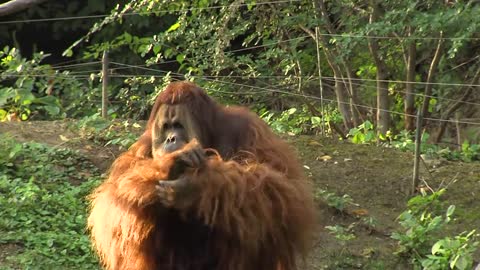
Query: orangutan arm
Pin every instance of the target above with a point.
(133, 179)
(253, 204)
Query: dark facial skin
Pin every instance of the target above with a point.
(174, 136)
(173, 130)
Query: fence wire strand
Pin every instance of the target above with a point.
(289, 92)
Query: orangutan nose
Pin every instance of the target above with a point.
(171, 139)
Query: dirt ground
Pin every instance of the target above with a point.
(378, 180)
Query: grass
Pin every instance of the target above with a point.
(43, 189)
(43, 207)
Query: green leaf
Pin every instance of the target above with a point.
(13, 152)
(458, 262)
(437, 247)
(168, 52)
(450, 210)
(203, 3)
(174, 27)
(3, 114)
(67, 53)
(465, 145)
(157, 48)
(52, 110)
(368, 125)
(291, 111)
(315, 120)
(180, 58)
(50, 242)
(353, 131)
(369, 136)
(358, 138)
(5, 95)
(46, 100)
(128, 37)
(26, 84)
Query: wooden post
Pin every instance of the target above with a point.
(459, 132)
(418, 141)
(104, 84)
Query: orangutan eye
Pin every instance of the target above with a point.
(177, 125)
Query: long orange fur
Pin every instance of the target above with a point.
(254, 210)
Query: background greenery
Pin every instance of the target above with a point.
(257, 53)
(353, 70)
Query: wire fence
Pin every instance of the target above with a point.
(84, 74)
(93, 69)
(291, 92)
(279, 89)
(359, 83)
(156, 12)
(261, 3)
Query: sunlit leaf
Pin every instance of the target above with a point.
(156, 48)
(174, 27)
(180, 58)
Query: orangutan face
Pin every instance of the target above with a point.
(172, 130)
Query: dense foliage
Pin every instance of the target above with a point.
(358, 70)
(43, 206)
(377, 59)
(420, 242)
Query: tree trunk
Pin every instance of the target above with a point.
(335, 61)
(410, 86)
(383, 101)
(459, 130)
(355, 109)
(343, 100)
(449, 112)
(456, 106)
(340, 86)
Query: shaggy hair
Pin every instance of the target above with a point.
(254, 209)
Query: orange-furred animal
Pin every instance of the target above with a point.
(206, 187)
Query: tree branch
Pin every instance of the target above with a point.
(431, 73)
(383, 100)
(455, 107)
(14, 6)
(411, 55)
(320, 6)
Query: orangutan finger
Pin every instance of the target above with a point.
(186, 159)
(193, 158)
(175, 193)
(173, 184)
(198, 157)
(166, 195)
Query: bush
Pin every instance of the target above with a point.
(43, 206)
